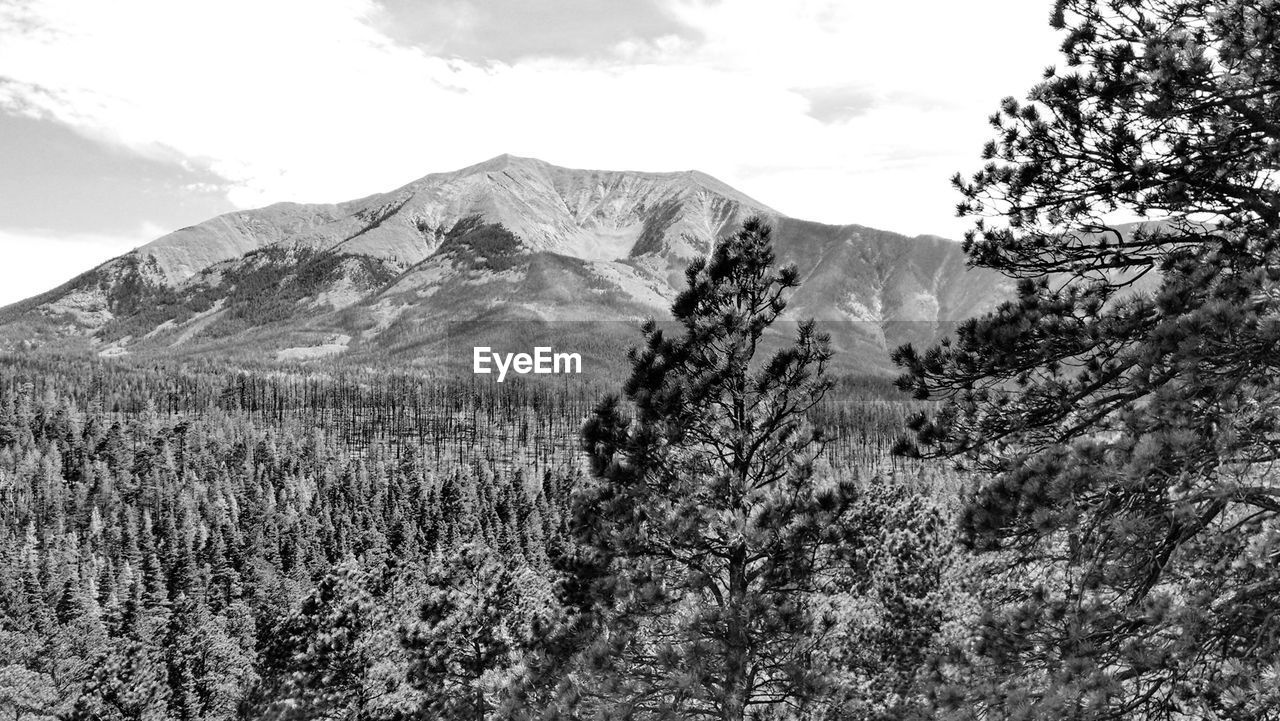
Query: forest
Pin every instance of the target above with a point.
(202, 543)
(1067, 509)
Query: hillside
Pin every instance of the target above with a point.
(509, 252)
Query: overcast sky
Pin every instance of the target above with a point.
(123, 120)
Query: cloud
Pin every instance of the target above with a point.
(63, 181)
(312, 100)
(839, 104)
(512, 30)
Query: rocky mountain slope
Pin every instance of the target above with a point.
(512, 251)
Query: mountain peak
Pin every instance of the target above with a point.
(588, 214)
(561, 176)
(597, 215)
(509, 238)
(499, 162)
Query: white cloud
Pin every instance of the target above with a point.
(36, 260)
(305, 100)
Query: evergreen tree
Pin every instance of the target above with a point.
(208, 672)
(1122, 410)
(705, 517)
(896, 598)
(26, 694)
(77, 641)
(318, 662)
(476, 621)
(164, 558)
(128, 684)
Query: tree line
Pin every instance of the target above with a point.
(1112, 554)
(197, 544)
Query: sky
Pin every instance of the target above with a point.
(121, 121)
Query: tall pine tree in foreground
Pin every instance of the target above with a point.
(1124, 410)
(705, 519)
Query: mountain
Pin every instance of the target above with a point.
(510, 252)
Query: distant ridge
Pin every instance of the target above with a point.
(387, 277)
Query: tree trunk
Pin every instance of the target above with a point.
(736, 653)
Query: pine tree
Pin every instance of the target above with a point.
(208, 672)
(129, 684)
(25, 693)
(78, 640)
(318, 662)
(475, 623)
(705, 519)
(897, 597)
(1122, 409)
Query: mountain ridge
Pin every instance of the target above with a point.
(509, 238)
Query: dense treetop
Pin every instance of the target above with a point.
(1123, 408)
